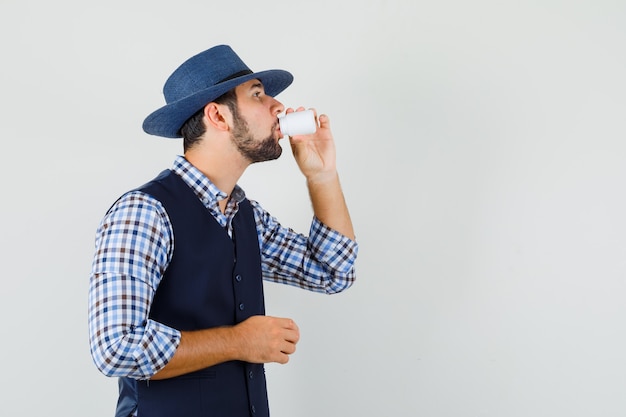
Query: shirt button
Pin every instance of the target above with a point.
(253, 409)
(241, 306)
(238, 278)
(251, 375)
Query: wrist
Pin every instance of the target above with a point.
(237, 340)
(322, 178)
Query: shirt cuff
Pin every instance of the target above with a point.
(158, 345)
(332, 248)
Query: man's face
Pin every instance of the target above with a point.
(255, 123)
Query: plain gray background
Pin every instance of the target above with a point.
(482, 153)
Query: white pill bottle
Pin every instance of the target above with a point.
(298, 123)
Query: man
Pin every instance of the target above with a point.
(176, 306)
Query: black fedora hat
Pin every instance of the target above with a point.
(200, 80)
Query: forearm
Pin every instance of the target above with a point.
(258, 339)
(315, 156)
(329, 204)
(201, 349)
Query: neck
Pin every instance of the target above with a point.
(223, 168)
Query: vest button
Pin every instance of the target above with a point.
(251, 375)
(238, 278)
(241, 306)
(253, 409)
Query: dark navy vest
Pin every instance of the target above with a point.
(212, 280)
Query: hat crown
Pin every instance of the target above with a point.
(203, 71)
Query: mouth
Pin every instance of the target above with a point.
(276, 128)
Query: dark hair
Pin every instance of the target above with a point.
(193, 129)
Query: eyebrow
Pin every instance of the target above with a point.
(256, 85)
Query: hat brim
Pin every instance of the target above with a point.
(168, 120)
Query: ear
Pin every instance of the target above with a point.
(217, 116)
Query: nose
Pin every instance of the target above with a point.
(277, 107)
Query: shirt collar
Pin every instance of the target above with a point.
(206, 191)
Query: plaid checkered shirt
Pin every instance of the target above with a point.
(134, 245)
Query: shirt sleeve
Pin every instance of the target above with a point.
(133, 246)
(321, 262)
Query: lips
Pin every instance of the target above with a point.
(276, 128)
